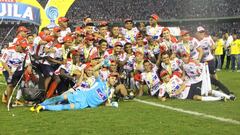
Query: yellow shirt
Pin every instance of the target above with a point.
(234, 47)
(219, 47)
(239, 47)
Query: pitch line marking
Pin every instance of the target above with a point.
(190, 112)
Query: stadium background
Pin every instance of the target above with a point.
(217, 16)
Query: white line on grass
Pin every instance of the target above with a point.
(190, 112)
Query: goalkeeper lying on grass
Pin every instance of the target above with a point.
(99, 93)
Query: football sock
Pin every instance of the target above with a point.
(220, 94)
(208, 98)
(57, 107)
(51, 89)
(53, 100)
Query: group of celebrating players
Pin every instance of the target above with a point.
(98, 64)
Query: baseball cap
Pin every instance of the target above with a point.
(128, 20)
(163, 73)
(154, 16)
(165, 29)
(79, 29)
(42, 35)
(200, 29)
(138, 53)
(118, 44)
(184, 32)
(56, 29)
(49, 38)
(103, 24)
(63, 19)
(22, 28)
(68, 38)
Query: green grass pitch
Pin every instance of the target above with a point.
(131, 118)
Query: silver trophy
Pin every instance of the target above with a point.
(52, 14)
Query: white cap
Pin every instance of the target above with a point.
(200, 28)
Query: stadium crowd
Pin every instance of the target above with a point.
(94, 64)
(140, 9)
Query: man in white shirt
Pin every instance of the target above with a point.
(129, 32)
(154, 30)
(150, 77)
(207, 44)
(13, 62)
(227, 40)
(65, 30)
(193, 76)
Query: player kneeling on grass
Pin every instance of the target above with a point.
(193, 73)
(150, 78)
(174, 87)
(99, 93)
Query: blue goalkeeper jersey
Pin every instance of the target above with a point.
(91, 97)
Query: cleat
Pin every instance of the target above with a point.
(39, 108)
(33, 109)
(127, 98)
(233, 98)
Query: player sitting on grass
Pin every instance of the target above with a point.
(150, 78)
(191, 89)
(174, 87)
(99, 93)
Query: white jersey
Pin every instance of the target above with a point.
(173, 66)
(63, 33)
(111, 41)
(129, 65)
(189, 48)
(155, 49)
(138, 66)
(37, 48)
(130, 35)
(144, 49)
(89, 52)
(172, 86)
(104, 73)
(112, 57)
(13, 59)
(52, 54)
(206, 44)
(58, 52)
(69, 68)
(155, 32)
(152, 81)
(167, 45)
(193, 72)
